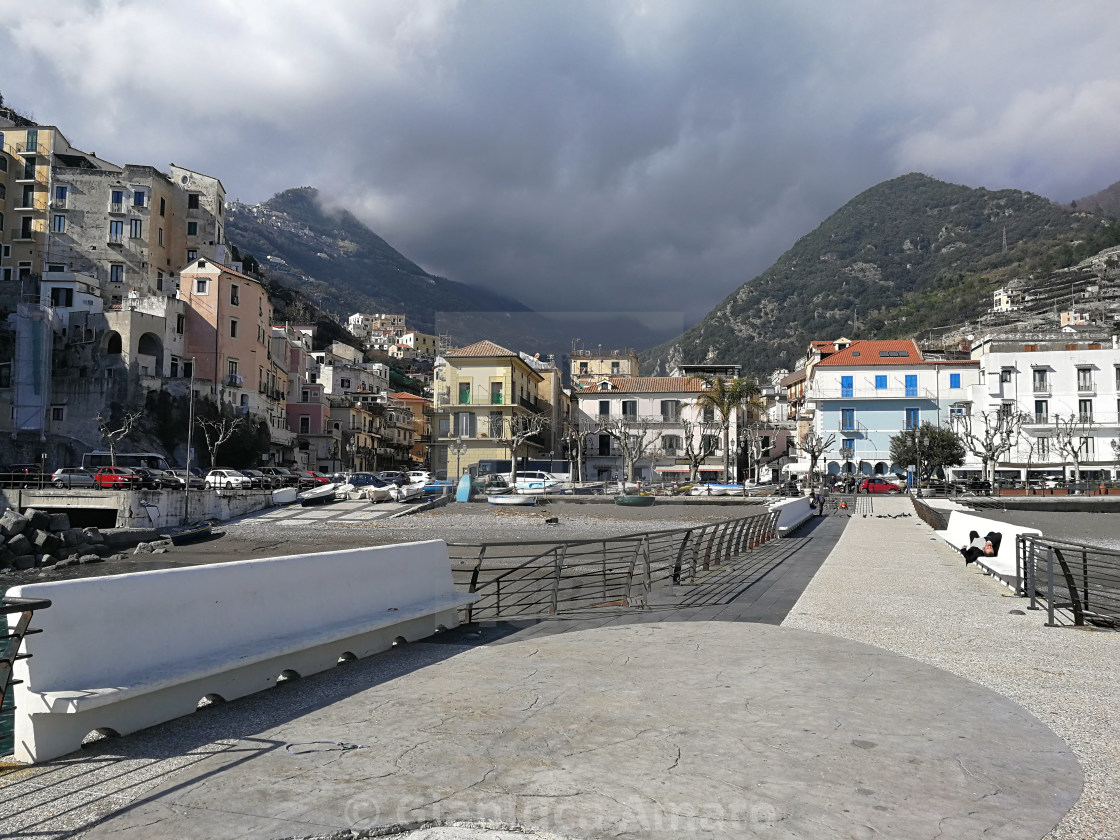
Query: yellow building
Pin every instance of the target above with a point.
(592, 365)
(479, 391)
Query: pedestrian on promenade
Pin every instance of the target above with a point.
(987, 547)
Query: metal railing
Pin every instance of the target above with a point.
(547, 578)
(13, 637)
(1078, 578)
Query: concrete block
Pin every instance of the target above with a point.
(12, 523)
(73, 536)
(59, 522)
(93, 535)
(45, 541)
(23, 562)
(129, 537)
(19, 545)
(39, 520)
(44, 560)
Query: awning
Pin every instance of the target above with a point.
(795, 468)
(682, 469)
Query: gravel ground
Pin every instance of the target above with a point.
(921, 601)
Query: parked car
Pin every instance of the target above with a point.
(973, 485)
(266, 481)
(395, 476)
(67, 478)
(418, 477)
(227, 480)
(256, 482)
(153, 479)
(23, 475)
(116, 478)
(196, 480)
(535, 480)
(281, 475)
(365, 480)
(873, 484)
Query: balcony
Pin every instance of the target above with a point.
(115, 239)
(868, 392)
(234, 381)
(1038, 419)
(1086, 389)
(116, 206)
(850, 427)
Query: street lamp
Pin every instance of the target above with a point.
(458, 447)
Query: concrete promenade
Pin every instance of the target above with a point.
(700, 715)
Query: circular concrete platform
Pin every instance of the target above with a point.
(650, 730)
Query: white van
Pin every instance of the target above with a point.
(536, 480)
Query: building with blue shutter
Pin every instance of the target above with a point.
(866, 392)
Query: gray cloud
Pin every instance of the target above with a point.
(581, 155)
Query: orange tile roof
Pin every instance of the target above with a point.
(481, 349)
(648, 384)
(869, 353)
(793, 378)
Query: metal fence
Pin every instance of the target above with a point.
(1070, 578)
(547, 578)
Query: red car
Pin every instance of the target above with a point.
(878, 485)
(116, 478)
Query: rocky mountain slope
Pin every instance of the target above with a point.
(1106, 202)
(904, 256)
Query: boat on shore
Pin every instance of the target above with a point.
(511, 500)
(318, 495)
(406, 492)
(634, 501)
(189, 533)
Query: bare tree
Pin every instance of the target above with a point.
(1069, 437)
(814, 445)
(989, 435)
(634, 437)
(572, 436)
(700, 441)
(514, 430)
(112, 435)
(217, 431)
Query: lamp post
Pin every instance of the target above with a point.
(458, 447)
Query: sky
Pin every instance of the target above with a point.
(582, 156)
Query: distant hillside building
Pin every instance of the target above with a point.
(590, 365)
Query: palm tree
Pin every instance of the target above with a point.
(726, 397)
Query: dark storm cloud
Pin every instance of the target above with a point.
(627, 156)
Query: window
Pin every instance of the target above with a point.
(847, 388)
(116, 273)
(28, 196)
(192, 201)
(5, 275)
(234, 294)
(880, 381)
(1042, 447)
(116, 232)
(1084, 379)
(192, 228)
(670, 444)
(1005, 375)
(708, 415)
(709, 443)
(139, 198)
(163, 206)
(497, 425)
(847, 447)
(604, 445)
(25, 227)
(1085, 450)
(1042, 411)
(913, 418)
(847, 419)
(192, 255)
(464, 393)
(496, 393)
(344, 382)
(304, 424)
(233, 328)
(201, 285)
(58, 413)
(29, 166)
(630, 408)
(60, 194)
(62, 297)
(116, 201)
(135, 228)
(58, 225)
(55, 267)
(232, 367)
(911, 383)
(1038, 380)
(180, 323)
(671, 411)
(1085, 411)
(616, 368)
(954, 381)
(466, 424)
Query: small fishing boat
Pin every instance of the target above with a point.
(188, 533)
(634, 501)
(438, 488)
(284, 495)
(511, 499)
(318, 495)
(406, 492)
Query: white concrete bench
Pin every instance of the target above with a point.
(792, 512)
(128, 651)
(1002, 563)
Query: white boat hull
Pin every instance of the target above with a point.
(284, 496)
(502, 501)
(406, 492)
(323, 493)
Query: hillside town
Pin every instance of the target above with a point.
(125, 291)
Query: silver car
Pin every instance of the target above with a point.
(227, 479)
(67, 478)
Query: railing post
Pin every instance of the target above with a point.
(1050, 586)
(648, 574)
(680, 558)
(695, 556)
(557, 568)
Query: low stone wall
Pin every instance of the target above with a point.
(143, 508)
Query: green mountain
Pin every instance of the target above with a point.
(1106, 202)
(904, 256)
(337, 262)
